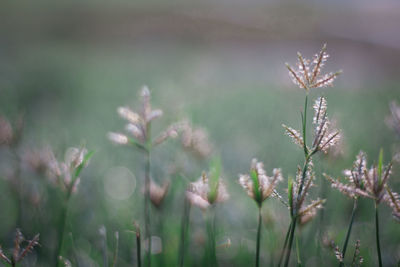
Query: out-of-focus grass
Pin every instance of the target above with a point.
(70, 94)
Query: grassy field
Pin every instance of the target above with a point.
(240, 92)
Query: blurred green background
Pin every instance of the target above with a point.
(68, 65)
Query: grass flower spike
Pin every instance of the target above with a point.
(393, 200)
(257, 184)
(20, 253)
(324, 137)
(308, 74)
(355, 178)
(202, 194)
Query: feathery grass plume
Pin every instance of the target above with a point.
(203, 193)
(138, 134)
(138, 125)
(308, 74)
(20, 253)
(355, 178)
(324, 137)
(393, 200)
(196, 140)
(297, 198)
(259, 187)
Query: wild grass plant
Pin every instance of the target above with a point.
(197, 241)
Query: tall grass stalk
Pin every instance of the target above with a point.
(184, 231)
(211, 253)
(307, 157)
(147, 205)
(258, 237)
(285, 244)
(138, 247)
(378, 245)
(348, 231)
(61, 230)
(298, 252)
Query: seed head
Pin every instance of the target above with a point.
(308, 74)
(257, 184)
(199, 192)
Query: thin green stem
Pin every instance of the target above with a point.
(184, 231)
(348, 231)
(138, 252)
(378, 245)
(147, 208)
(298, 252)
(63, 221)
(212, 257)
(285, 244)
(307, 159)
(289, 249)
(258, 237)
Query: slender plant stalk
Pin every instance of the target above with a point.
(184, 231)
(63, 221)
(105, 249)
(298, 252)
(307, 156)
(138, 253)
(378, 245)
(212, 257)
(285, 244)
(291, 237)
(348, 232)
(115, 258)
(258, 237)
(147, 195)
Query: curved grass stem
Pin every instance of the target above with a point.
(378, 245)
(285, 244)
(348, 232)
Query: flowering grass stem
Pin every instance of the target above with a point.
(147, 207)
(212, 257)
(348, 231)
(378, 245)
(298, 252)
(258, 237)
(184, 231)
(307, 156)
(61, 230)
(285, 244)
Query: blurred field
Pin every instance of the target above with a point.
(67, 67)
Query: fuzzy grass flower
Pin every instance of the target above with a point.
(324, 137)
(308, 73)
(297, 197)
(138, 125)
(355, 178)
(258, 185)
(393, 200)
(206, 192)
(19, 253)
